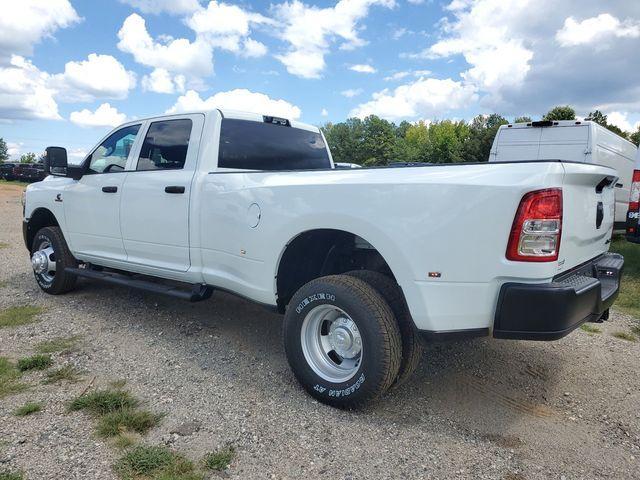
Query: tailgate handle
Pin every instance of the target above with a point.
(605, 182)
(599, 215)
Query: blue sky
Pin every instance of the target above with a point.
(72, 69)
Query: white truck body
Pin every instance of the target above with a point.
(570, 141)
(441, 232)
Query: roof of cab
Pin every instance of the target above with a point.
(235, 114)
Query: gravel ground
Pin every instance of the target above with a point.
(477, 409)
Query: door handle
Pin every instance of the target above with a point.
(109, 189)
(174, 189)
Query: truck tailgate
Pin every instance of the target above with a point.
(588, 213)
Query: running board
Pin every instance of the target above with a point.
(198, 292)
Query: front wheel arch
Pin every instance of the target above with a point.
(40, 218)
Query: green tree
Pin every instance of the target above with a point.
(598, 117)
(524, 119)
(4, 151)
(635, 137)
(378, 140)
(482, 131)
(413, 146)
(28, 158)
(561, 112)
(345, 140)
(446, 140)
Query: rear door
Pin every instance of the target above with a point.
(155, 200)
(569, 143)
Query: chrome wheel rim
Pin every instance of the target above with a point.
(331, 343)
(43, 261)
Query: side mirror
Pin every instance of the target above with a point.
(55, 161)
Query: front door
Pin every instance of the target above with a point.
(156, 194)
(92, 204)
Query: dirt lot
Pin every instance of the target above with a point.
(477, 409)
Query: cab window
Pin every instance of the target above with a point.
(111, 155)
(165, 145)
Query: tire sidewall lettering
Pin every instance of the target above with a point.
(314, 298)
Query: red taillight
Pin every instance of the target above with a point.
(537, 227)
(634, 198)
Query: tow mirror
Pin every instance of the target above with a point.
(55, 162)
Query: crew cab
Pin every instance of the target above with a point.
(364, 263)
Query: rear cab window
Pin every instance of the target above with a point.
(252, 145)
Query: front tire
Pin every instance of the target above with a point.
(50, 256)
(342, 341)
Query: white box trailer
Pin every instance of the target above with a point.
(573, 141)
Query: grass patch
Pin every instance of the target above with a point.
(155, 462)
(125, 440)
(626, 336)
(587, 327)
(12, 182)
(127, 420)
(629, 297)
(28, 409)
(59, 344)
(4, 245)
(16, 316)
(219, 460)
(9, 378)
(35, 362)
(68, 373)
(105, 401)
(9, 475)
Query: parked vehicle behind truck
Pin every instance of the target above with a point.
(633, 215)
(571, 141)
(364, 263)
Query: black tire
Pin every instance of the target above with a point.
(412, 347)
(62, 281)
(381, 344)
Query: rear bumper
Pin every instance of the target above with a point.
(552, 310)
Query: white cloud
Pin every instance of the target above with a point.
(324, 112)
(485, 34)
(351, 92)
(595, 29)
(24, 23)
(227, 27)
(174, 55)
(362, 68)
(253, 48)
(100, 76)
(77, 154)
(400, 75)
(104, 116)
(423, 98)
(175, 7)
(25, 92)
(161, 81)
(14, 149)
(310, 32)
(621, 120)
(238, 99)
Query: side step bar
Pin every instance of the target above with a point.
(197, 293)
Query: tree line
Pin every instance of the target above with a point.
(374, 141)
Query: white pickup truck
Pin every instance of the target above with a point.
(364, 263)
